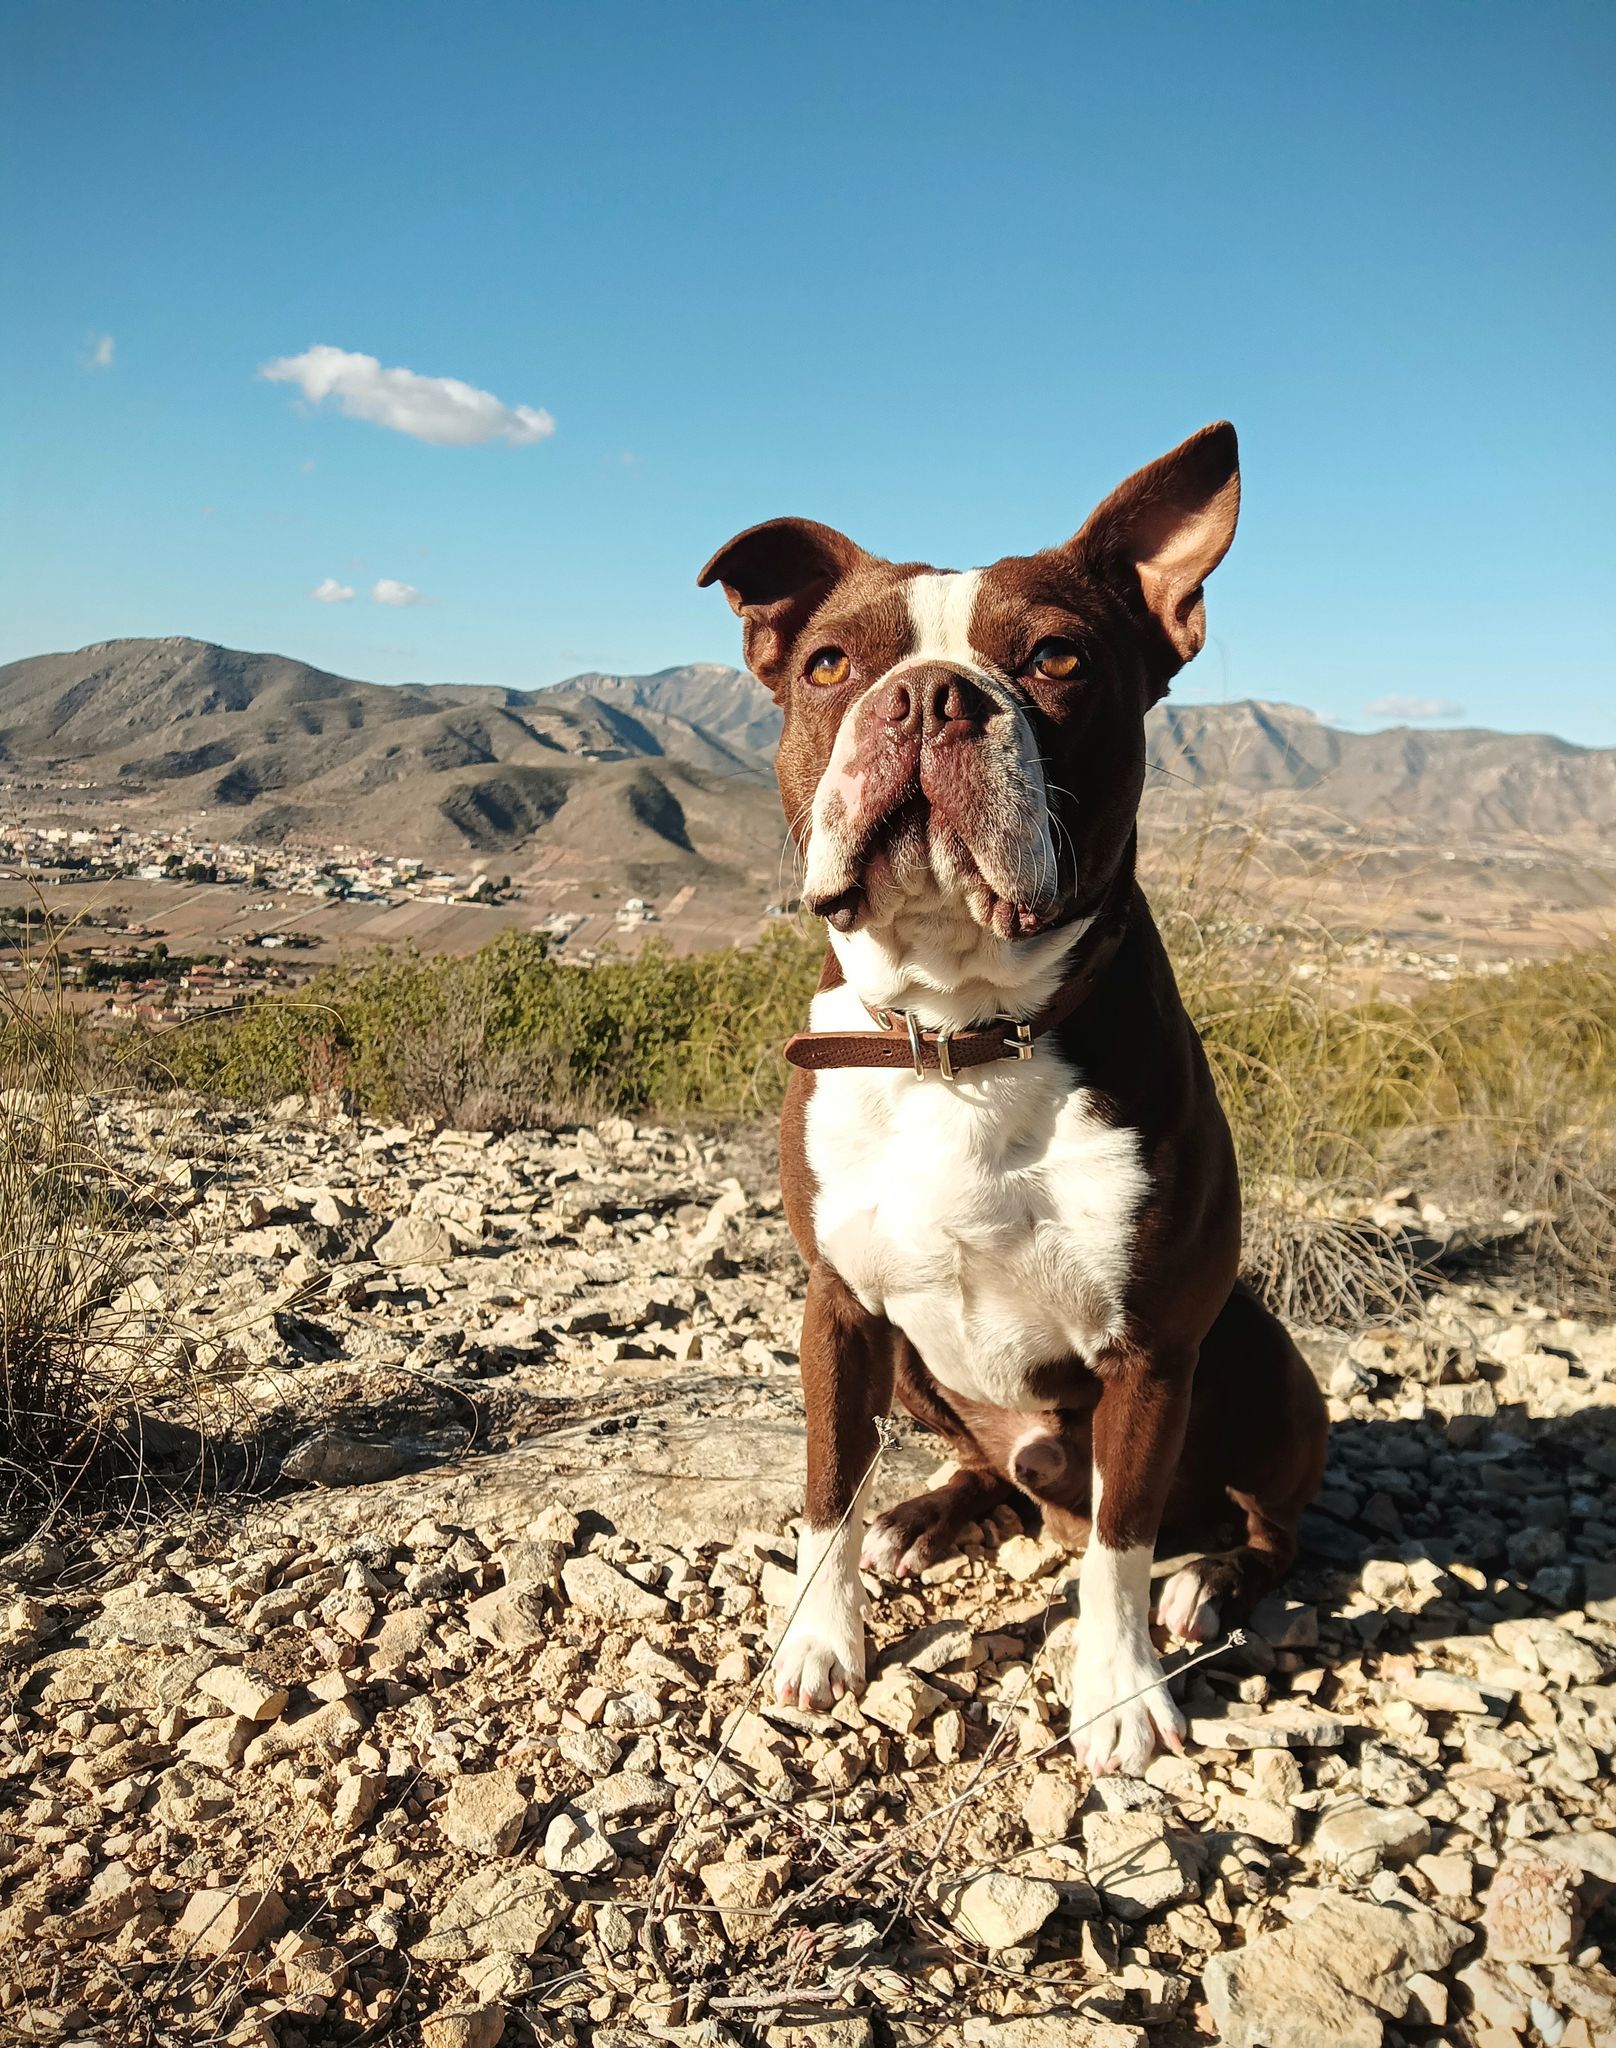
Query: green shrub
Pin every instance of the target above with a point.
(511, 1032)
(1497, 1087)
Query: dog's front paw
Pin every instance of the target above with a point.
(814, 1668)
(1112, 1730)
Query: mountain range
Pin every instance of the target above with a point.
(660, 778)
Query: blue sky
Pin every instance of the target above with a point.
(937, 274)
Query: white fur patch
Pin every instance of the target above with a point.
(1183, 1609)
(940, 610)
(821, 1653)
(990, 1218)
(1111, 1729)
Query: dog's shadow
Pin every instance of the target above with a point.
(1493, 1516)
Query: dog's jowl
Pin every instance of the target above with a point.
(1002, 1154)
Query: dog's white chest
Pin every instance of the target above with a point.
(991, 1220)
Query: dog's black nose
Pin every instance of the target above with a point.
(930, 699)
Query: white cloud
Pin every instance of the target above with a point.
(330, 591)
(437, 409)
(389, 592)
(1413, 710)
(99, 353)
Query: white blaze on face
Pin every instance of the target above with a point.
(1012, 843)
(940, 610)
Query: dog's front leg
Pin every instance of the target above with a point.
(1138, 1431)
(847, 1361)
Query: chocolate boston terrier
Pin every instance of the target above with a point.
(1002, 1154)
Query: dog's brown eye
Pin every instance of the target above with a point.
(829, 668)
(1056, 660)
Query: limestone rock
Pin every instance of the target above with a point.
(742, 1891)
(1024, 1558)
(1357, 1837)
(219, 1743)
(159, 1620)
(758, 1744)
(938, 1646)
(1530, 1913)
(242, 1692)
(1050, 1809)
(1052, 2030)
(1333, 1977)
(510, 1618)
(415, 1241)
(117, 1894)
(625, 1796)
(1291, 1725)
(1545, 1646)
(1592, 1853)
(484, 1813)
(825, 2030)
(1135, 1864)
(222, 1923)
(331, 1458)
(331, 1729)
(355, 1800)
(1263, 1819)
(1000, 1909)
(948, 1736)
(497, 1977)
(901, 1700)
(496, 1912)
(592, 1584)
(466, 2026)
(1452, 1692)
(574, 1846)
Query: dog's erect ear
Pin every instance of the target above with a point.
(1162, 533)
(775, 577)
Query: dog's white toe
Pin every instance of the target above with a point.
(1113, 1732)
(1183, 1609)
(884, 1553)
(813, 1673)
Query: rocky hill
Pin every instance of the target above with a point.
(275, 750)
(456, 1729)
(670, 770)
(1448, 785)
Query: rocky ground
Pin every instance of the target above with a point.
(450, 1723)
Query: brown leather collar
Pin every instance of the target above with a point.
(899, 1041)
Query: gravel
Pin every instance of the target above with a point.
(455, 1730)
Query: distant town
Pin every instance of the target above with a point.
(120, 966)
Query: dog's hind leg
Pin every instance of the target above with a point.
(917, 1533)
(1219, 1590)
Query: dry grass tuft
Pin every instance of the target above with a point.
(1496, 1092)
(1328, 1271)
(84, 1353)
